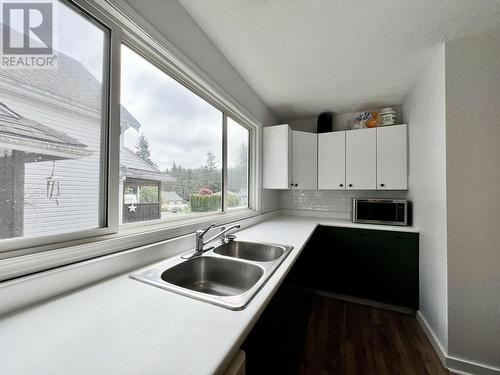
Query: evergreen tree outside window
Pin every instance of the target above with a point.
(142, 149)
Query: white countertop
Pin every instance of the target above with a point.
(122, 326)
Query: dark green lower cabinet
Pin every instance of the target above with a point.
(275, 344)
(371, 264)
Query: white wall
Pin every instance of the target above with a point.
(176, 25)
(473, 177)
(424, 110)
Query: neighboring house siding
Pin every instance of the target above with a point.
(78, 207)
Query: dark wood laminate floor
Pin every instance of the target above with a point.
(348, 338)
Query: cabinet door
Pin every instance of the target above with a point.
(277, 145)
(331, 161)
(361, 159)
(392, 158)
(371, 264)
(304, 160)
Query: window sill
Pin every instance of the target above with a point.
(183, 222)
(129, 237)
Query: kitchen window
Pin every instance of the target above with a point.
(53, 130)
(171, 158)
(122, 131)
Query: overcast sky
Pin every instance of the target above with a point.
(73, 35)
(179, 125)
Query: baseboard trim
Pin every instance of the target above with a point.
(462, 367)
(436, 344)
(455, 365)
(367, 302)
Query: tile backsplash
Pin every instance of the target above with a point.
(331, 201)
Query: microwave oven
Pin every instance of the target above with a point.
(380, 211)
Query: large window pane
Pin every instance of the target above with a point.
(50, 130)
(237, 169)
(171, 156)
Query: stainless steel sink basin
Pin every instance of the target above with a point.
(260, 252)
(229, 275)
(215, 276)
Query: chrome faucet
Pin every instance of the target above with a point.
(199, 238)
(200, 242)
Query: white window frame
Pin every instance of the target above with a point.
(250, 161)
(145, 52)
(125, 25)
(110, 148)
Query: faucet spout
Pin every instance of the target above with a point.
(222, 232)
(200, 242)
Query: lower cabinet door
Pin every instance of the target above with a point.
(370, 264)
(397, 269)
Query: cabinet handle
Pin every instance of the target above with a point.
(296, 184)
(341, 185)
(382, 185)
(350, 185)
(291, 184)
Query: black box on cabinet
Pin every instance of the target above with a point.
(325, 122)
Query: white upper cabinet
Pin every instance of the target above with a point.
(331, 160)
(290, 158)
(277, 155)
(364, 159)
(361, 159)
(304, 160)
(392, 158)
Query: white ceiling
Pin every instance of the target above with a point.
(306, 56)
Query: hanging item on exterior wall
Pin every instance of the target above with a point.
(53, 185)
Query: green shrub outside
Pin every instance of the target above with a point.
(232, 200)
(206, 203)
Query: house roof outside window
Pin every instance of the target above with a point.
(170, 196)
(71, 83)
(132, 166)
(23, 134)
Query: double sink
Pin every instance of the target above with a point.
(229, 275)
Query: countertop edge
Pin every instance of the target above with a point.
(297, 229)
